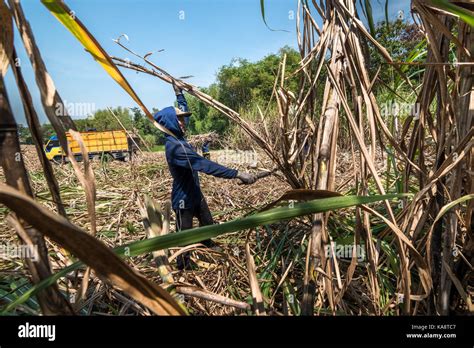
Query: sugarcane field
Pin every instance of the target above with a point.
(248, 158)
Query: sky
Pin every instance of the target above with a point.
(197, 36)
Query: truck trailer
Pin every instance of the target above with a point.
(106, 144)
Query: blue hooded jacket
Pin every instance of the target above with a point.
(184, 163)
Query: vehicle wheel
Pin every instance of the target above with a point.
(58, 159)
(107, 158)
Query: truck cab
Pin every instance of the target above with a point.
(52, 149)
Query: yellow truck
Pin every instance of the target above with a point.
(107, 144)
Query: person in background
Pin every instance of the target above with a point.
(184, 165)
(205, 150)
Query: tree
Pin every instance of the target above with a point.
(24, 135)
(239, 85)
(48, 131)
(103, 119)
(145, 128)
(242, 82)
(404, 41)
(205, 119)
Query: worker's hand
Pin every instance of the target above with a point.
(246, 178)
(177, 90)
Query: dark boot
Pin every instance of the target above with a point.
(184, 262)
(209, 243)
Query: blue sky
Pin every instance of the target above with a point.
(210, 35)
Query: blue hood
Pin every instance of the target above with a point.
(167, 118)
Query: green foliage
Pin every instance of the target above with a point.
(204, 118)
(146, 129)
(48, 131)
(103, 120)
(463, 13)
(242, 82)
(241, 85)
(262, 10)
(367, 9)
(398, 37)
(158, 148)
(24, 135)
(405, 43)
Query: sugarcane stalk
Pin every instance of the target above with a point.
(11, 160)
(50, 98)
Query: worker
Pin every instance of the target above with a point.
(205, 150)
(184, 164)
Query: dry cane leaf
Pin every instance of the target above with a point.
(91, 251)
(6, 37)
(86, 178)
(255, 288)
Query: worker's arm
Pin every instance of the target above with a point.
(185, 157)
(205, 151)
(182, 103)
